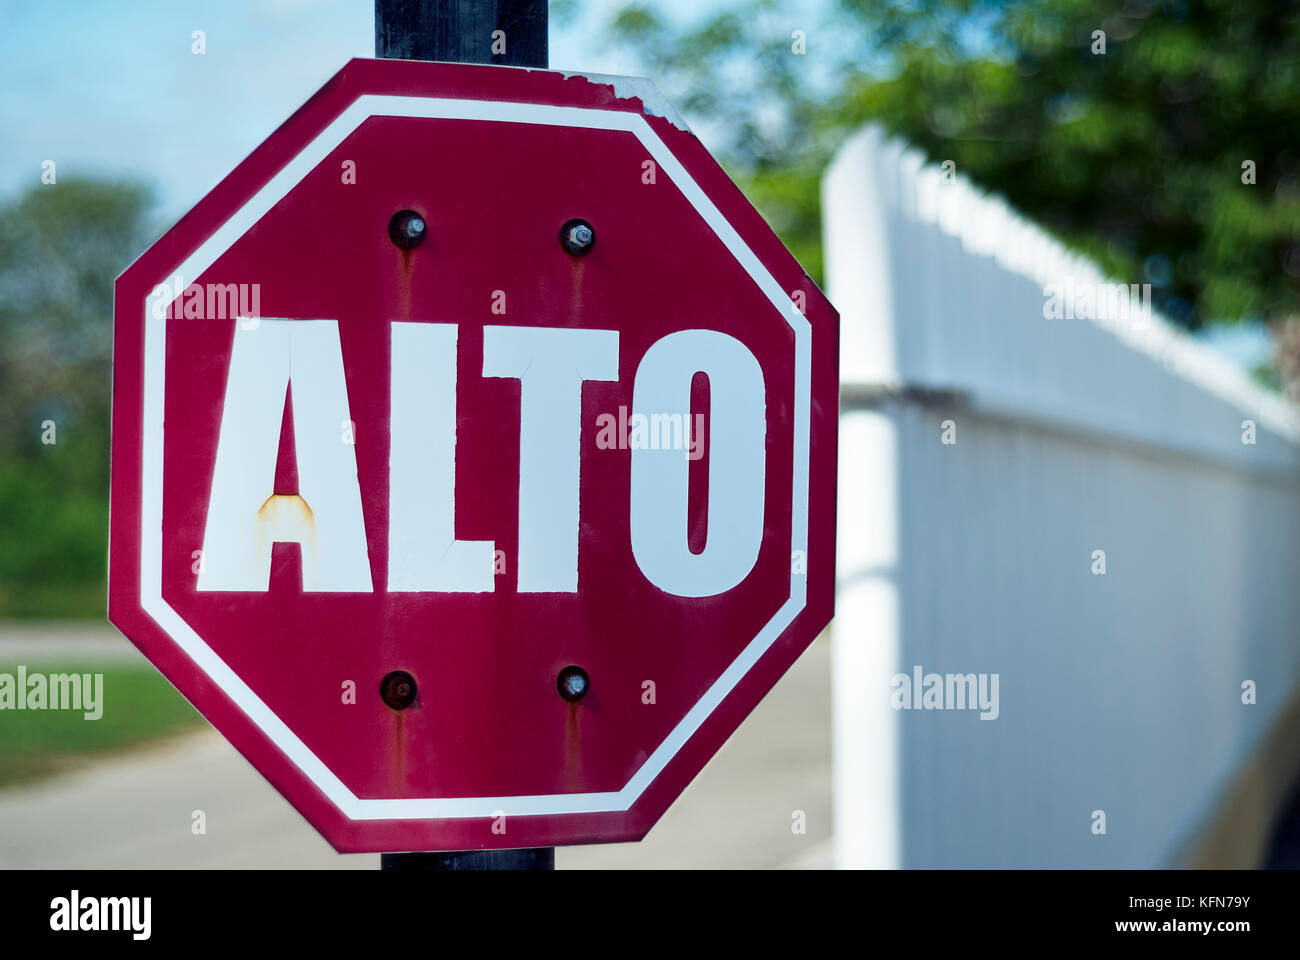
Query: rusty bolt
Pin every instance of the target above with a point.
(577, 237)
(406, 229)
(573, 683)
(398, 689)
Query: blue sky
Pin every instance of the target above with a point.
(113, 87)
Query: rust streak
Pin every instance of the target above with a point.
(404, 287)
(575, 298)
(573, 750)
(287, 518)
(399, 754)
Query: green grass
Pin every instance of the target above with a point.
(83, 600)
(138, 706)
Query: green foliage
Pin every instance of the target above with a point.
(138, 705)
(61, 245)
(1134, 156)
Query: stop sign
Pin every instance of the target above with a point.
(473, 457)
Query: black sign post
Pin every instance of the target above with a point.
(505, 33)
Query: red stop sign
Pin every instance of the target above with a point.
(473, 458)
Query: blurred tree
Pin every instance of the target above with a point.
(61, 245)
(1138, 155)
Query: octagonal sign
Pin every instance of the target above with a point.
(473, 457)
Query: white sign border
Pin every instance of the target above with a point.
(352, 806)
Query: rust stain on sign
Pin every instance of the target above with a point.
(287, 518)
(404, 286)
(399, 752)
(573, 749)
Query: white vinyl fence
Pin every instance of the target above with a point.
(987, 453)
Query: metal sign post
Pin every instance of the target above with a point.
(509, 33)
(504, 32)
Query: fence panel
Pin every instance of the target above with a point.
(1118, 691)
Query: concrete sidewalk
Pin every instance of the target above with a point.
(40, 641)
(136, 810)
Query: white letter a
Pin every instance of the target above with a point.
(245, 515)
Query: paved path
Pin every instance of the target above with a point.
(24, 641)
(135, 811)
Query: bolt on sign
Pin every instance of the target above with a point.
(473, 457)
